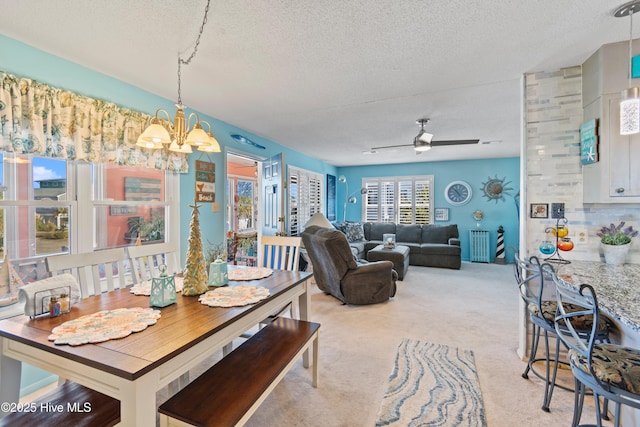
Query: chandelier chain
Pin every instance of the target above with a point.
(193, 53)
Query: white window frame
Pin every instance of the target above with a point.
(232, 186)
(390, 211)
(82, 199)
(305, 197)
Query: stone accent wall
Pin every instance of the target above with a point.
(553, 169)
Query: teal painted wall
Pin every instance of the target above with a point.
(474, 172)
(23, 60)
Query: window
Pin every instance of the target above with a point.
(35, 206)
(306, 191)
(129, 204)
(403, 200)
(242, 203)
(50, 206)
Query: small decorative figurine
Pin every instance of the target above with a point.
(163, 289)
(389, 241)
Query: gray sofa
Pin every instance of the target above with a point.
(337, 272)
(429, 245)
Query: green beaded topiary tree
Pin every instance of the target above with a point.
(195, 274)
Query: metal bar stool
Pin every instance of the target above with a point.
(610, 370)
(530, 275)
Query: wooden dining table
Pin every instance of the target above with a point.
(133, 368)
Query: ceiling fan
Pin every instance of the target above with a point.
(424, 140)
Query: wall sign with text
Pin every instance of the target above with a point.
(205, 182)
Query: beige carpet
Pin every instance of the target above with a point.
(473, 308)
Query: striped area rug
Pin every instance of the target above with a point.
(432, 385)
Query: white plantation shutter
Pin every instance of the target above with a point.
(306, 191)
(422, 202)
(372, 202)
(315, 194)
(403, 200)
(294, 209)
(388, 201)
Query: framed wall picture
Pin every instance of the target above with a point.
(441, 214)
(331, 197)
(539, 210)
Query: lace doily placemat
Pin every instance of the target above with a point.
(144, 288)
(234, 296)
(249, 273)
(104, 325)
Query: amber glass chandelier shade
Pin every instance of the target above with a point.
(155, 133)
(149, 144)
(184, 148)
(212, 147)
(197, 136)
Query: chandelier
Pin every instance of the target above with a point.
(180, 133)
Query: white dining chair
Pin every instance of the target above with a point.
(277, 253)
(96, 272)
(280, 253)
(146, 259)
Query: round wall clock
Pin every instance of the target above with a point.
(458, 193)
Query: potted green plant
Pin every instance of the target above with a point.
(616, 240)
(246, 244)
(216, 251)
(152, 229)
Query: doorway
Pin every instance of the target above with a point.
(243, 213)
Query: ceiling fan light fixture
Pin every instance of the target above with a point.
(422, 141)
(426, 137)
(421, 145)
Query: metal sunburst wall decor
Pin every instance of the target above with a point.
(496, 188)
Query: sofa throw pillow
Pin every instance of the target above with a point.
(339, 225)
(354, 231)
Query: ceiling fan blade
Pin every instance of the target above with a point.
(391, 146)
(433, 144)
(454, 142)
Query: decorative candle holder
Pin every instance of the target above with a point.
(218, 275)
(163, 289)
(563, 243)
(547, 247)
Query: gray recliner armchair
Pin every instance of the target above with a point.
(336, 271)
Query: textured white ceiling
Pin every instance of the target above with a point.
(332, 78)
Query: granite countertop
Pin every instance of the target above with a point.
(617, 287)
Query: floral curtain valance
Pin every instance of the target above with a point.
(36, 118)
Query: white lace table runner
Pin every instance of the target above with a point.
(104, 325)
(234, 296)
(249, 273)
